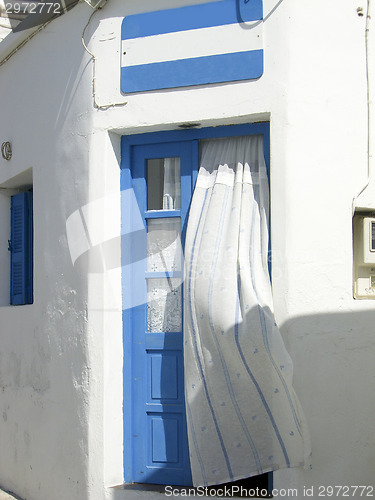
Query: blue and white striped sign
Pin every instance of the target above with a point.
(195, 45)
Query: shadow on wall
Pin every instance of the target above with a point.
(326, 345)
(7, 495)
(334, 373)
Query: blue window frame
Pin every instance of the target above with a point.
(155, 437)
(21, 249)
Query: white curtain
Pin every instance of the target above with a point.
(243, 415)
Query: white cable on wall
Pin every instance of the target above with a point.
(98, 106)
(24, 42)
(370, 135)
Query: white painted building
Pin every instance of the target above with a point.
(64, 388)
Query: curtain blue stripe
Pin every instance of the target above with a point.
(219, 68)
(194, 335)
(188, 18)
(261, 395)
(213, 331)
(236, 329)
(266, 344)
(277, 432)
(195, 441)
(265, 340)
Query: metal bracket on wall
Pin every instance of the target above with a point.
(6, 150)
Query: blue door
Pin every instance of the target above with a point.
(157, 178)
(160, 176)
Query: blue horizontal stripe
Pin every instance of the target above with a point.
(195, 71)
(162, 214)
(163, 274)
(188, 18)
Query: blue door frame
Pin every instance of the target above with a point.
(143, 415)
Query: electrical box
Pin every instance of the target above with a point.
(363, 256)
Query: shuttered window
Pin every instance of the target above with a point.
(21, 249)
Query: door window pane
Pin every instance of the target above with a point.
(163, 184)
(164, 251)
(164, 305)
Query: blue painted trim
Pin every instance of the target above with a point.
(270, 482)
(125, 183)
(168, 340)
(195, 134)
(195, 161)
(162, 214)
(219, 68)
(128, 394)
(188, 18)
(267, 159)
(163, 274)
(260, 128)
(30, 250)
(244, 9)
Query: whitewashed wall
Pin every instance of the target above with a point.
(60, 358)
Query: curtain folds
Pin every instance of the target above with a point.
(242, 412)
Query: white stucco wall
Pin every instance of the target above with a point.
(61, 358)
(45, 375)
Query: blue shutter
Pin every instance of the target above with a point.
(21, 249)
